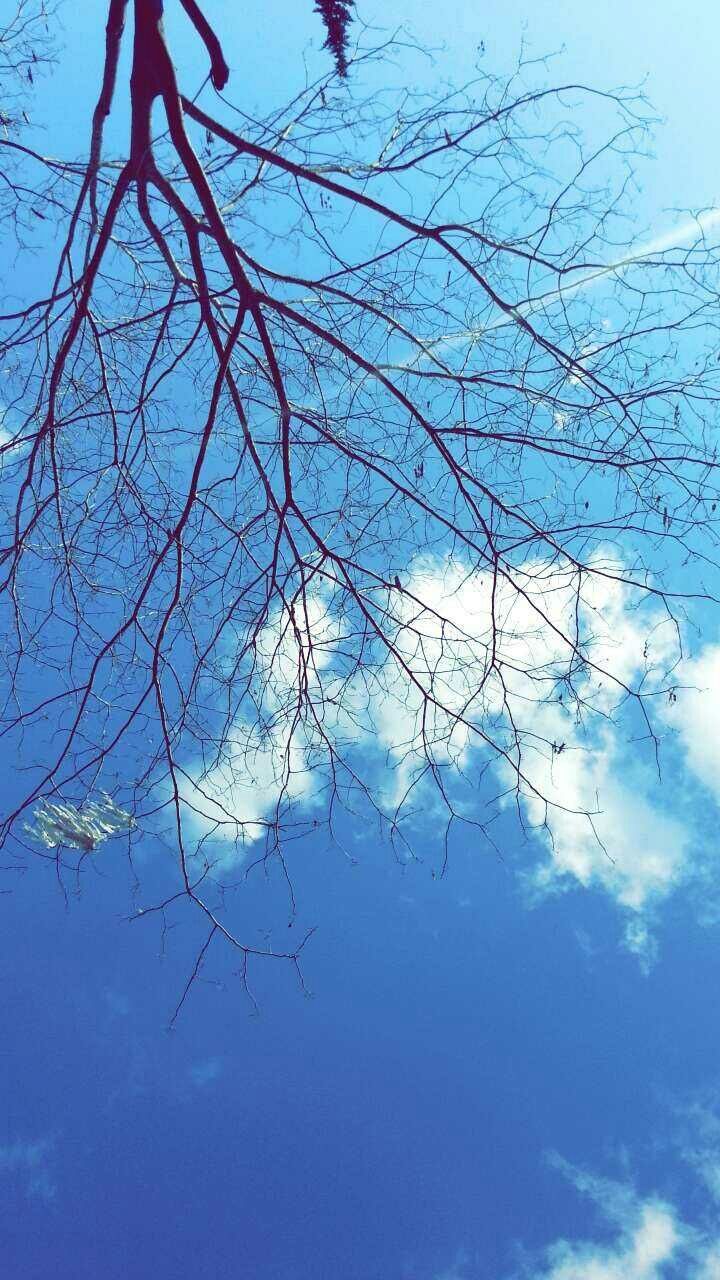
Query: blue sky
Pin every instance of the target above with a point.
(487, 1081)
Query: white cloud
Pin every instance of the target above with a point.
(538, 663)
(7, 436)
(695, 715)
(650, 1238)
(642, 1251)
(270, 755)
(639, 1236)
(640, 941)
(710, 1267)
(629, 847)
(504, 660)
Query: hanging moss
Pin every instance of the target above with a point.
(336, 14)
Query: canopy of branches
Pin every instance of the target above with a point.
(348, 462)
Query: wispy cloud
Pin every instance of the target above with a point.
(685, 234)
(697, 1138)
(206, 1072)
(117, 1003)
(639, 1235)
(29, 1161)
(651, 1238)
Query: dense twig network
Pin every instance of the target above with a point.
(323, 450)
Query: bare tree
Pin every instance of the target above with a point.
(26, 54)
(325, 448)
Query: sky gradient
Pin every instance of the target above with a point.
(488, 1081)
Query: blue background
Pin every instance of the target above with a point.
(394, 1124)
